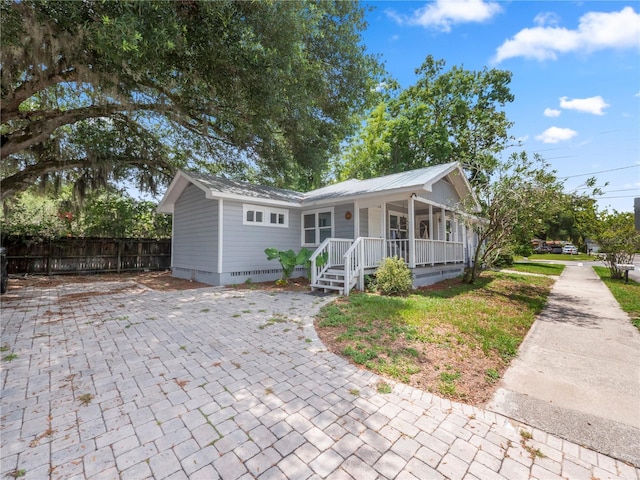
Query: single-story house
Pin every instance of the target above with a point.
(221, 227)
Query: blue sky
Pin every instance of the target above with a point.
(576, 75)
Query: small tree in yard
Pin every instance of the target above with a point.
(515, 203)
(618, 238)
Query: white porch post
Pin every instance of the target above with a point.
(412, 233)
(444, 232)
(465, 248)
(431, 235)
(454, 224)
(383, 228)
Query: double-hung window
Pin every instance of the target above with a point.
(317, 226)
(264, 216)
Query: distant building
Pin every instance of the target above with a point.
(636, 208)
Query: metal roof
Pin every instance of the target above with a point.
(395, 181)
(245, 189)
(221, 187)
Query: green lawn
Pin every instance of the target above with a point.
(580, 257)
(452, 339)
(627, 295)
(540, 268)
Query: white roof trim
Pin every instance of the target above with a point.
(183, 179)
(326, 194)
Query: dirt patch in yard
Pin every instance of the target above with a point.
(300, 284)
(457, 373)
(160, 280)
(450, 339)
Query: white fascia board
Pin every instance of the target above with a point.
(461, 177)
(362, 197)
(177, 185)
(254, 200)
(182, 179)
(449, 207)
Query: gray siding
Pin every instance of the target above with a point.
(343, 228)
(444, 193)
(244, 245)
(195, 232)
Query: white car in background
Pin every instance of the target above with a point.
(570, 249)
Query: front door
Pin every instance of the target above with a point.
(375, 222)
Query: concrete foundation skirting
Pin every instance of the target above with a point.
(232, 278)
(423, 276)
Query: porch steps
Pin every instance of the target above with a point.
(332, 279)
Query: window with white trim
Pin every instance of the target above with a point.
(264, 216)
(317, 226)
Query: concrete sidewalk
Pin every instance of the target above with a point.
(577, 374)
(113, 381)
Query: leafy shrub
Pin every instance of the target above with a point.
(288, 260)
(525, 250)
(393, 277)
(370, 284)
(503, 260)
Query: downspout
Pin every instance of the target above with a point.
(173, 235)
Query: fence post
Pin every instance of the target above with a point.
(119, 257)
(49, 258)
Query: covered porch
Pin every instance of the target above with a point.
(421, 232)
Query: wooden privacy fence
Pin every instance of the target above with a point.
(86, 255)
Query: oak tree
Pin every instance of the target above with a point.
(108, 90)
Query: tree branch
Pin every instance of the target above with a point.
(10, 107)
(39, 130)
(27, 176)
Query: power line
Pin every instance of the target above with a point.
(601, 171)
(621, 196)
(624, 190)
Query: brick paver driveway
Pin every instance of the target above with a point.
(112, 380)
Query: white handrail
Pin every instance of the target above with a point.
(352, 263)
(334, 248)
(314, 268)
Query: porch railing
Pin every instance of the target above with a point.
(368, 252)
(398, 248)
(331, 251)
(365, 252)
(424, 252)
(430, 252)
(373, 251)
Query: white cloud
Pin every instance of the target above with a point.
(596, 31)
(546, 18)
(442, 14)
(638, 94)
(593, 105)
(556, 135)
(551, 112)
